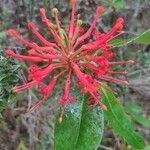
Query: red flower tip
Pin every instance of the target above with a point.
(119, 26)
(15, 89)
(100, 10)
(73, 2)
(31, 25)
(104, 107)
(43, 14)
(122, 32)
(63, 101)
(9, 52)
(126, 82)
(11, 32)
(120, 20)
(42, 11)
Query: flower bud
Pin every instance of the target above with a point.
(42, 12)
(100, 10)
(55, 11)
(73, 2)
(11, 32)
(9, 52)
(31, 25)
(130, 61)
(120, 20)
(119, 26)
(79, 22)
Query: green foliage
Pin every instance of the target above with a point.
(81, 127)
(120, 122)
(117, 4)
(8, 78)
(134, 110)
(143, 38)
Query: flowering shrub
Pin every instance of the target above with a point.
(85, 54)
(88, 56)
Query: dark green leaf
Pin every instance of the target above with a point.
(11, 98)
(120, 122)
(8, 79)
(143, 38)
(15, 68)
(81, 127)
(2, 76)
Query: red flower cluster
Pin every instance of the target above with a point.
(85, 54)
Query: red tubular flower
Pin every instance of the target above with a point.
(71, 55)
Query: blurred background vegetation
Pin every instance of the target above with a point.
(20, 130)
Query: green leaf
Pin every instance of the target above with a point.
(134, 110)
(118, 4)
(120, 122)
(143, 38)
(8, 79)
(15, 68)
(147, 147)
(2, 76)
(142, 120)
(81, 127)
